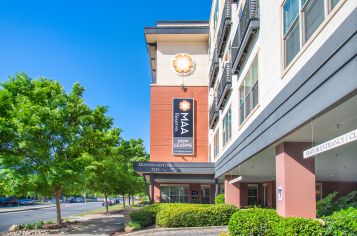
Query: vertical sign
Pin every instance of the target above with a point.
(183, 128)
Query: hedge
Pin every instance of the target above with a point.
(343, 222)
(298, 226)
(194, 215)
(219, 199)
(145, 216)
(253, 221)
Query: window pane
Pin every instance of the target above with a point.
(241, 94)
(313, 16)
(255, 71)
(241, 113)
(334, 3)
(255, 94)
(247, 106)
(290, 12)
(292, 43)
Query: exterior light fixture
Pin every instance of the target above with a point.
(183, 65)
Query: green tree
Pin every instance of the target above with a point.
(133, 151)
(48, 135)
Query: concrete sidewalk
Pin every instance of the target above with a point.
(25, 208)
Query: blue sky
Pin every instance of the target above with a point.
(98, 43)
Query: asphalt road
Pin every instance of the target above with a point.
(23, 217)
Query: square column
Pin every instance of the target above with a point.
(231, 191)
(295, 181)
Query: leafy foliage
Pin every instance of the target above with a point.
(342, 222)
(253, 221)
(52, 143)
(219, 199)
(194, 215)
(329, 204)
(146, 215)
(298, 226)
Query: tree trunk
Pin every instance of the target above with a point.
(129, 199)
(58, 207)
(106, 202)
(123, 200)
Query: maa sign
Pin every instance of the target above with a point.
(183, 126)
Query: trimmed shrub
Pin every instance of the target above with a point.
(329, 204)
(219, 199)
(343, 222)
(298, 226)
(194, 215)
(326, 205)
(145, 216)
(253, 221)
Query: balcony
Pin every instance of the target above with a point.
(213, 114)
(214, 68)
(225, 85)
(248, 26)
(224, 28)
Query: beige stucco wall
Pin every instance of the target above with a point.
(167, 50)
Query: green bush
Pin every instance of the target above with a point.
(145, 216)
(253, 221)
(194, 215)
(298, 226)
(341, 223)
(134, 225)
(219, 199)
(326, 205)
(350, 200)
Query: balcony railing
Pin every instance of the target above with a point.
(213, 114)
(214, 68)
(248, 26)
(225, 85)
(224, 27)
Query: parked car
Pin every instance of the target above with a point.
(12, 201)
(25, 201)
(110, 202)
(4, 201)
(76, 199)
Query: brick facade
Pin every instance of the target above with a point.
(161, 123)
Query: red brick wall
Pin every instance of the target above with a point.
(161, 123)
(343, 188)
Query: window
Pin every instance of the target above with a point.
(314, 14)
(205, 194)
(227, 127)
(252, 194)
(248, 92)
(216, 143)
(301, 18)
(333, 4)
(174, 193)
(215, 14)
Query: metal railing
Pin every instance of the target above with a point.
(224, 27)
(213, 114)
(225, 85)
(248, 25)
(214, 68)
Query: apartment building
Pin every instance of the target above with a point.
(280, 122)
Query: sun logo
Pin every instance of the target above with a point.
(185, 105)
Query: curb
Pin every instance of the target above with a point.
(25, 209)
(144, 232)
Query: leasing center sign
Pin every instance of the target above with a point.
(183, 128)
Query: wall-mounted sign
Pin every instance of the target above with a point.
(280, 193)
(331, 144)
(183, 64)
(235, 180)
(183, 126)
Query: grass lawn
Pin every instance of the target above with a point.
(102, 210)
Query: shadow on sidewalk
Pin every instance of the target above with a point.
(99, 225)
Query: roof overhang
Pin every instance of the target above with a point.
(202, 168)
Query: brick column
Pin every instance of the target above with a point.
(295, 176)
(231, 191)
